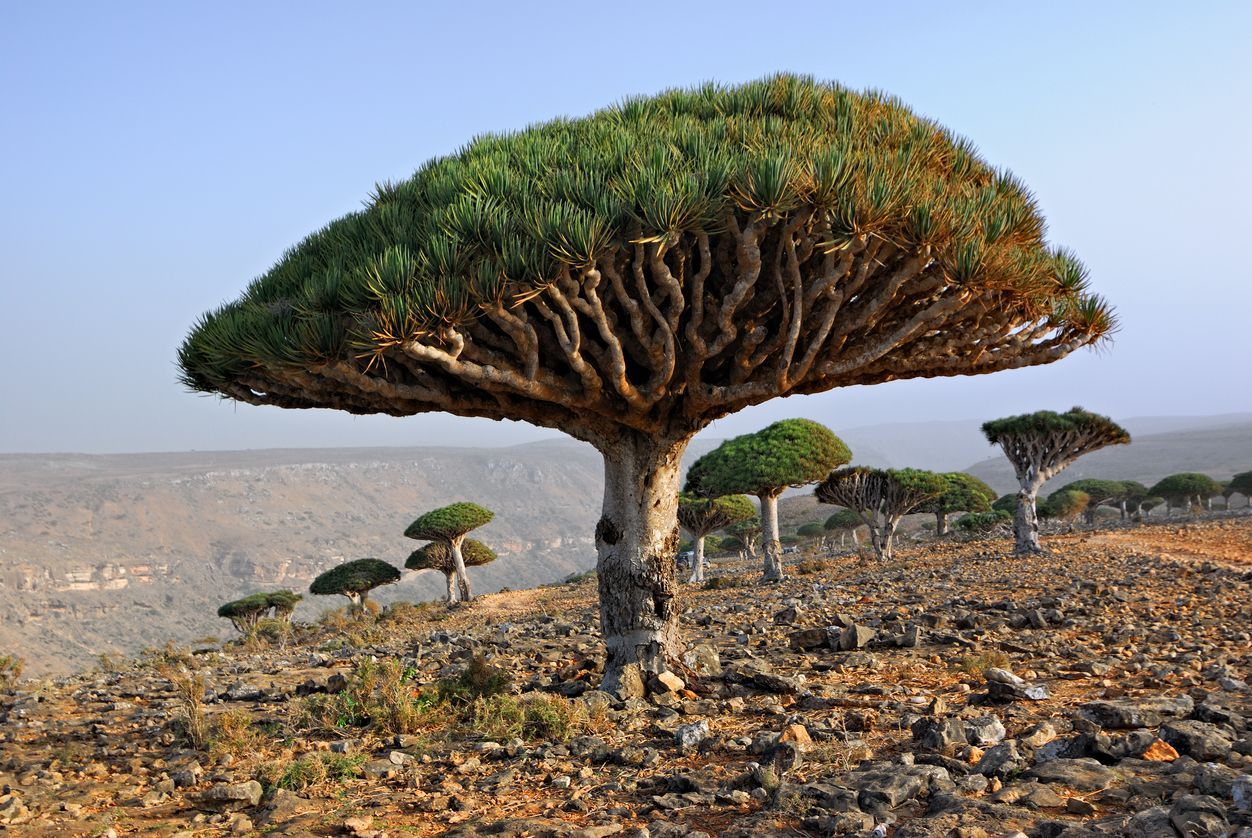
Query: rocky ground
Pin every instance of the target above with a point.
(1098, 690)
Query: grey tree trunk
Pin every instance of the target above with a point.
(889, 538)
(772, 567)
(941, 523)
(450, 577)
(697, 561)
(636, 541)
(458, 565)
(1026, 524)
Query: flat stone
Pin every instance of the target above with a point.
(1127, 713)
(1081, 774)
(666, 682)
(1199, 816)
(887, 786)
(855, 637)
(232, 796)
(984, 731)
(1001, 760)
(809, 638)
(1199, 740)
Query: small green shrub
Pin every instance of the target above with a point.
(978, 664)
(379, 695)
(978, 523)
(478, 680)
(533, 717)
(10, 671)
(808, 566)
(718, 583)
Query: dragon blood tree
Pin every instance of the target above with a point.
(246, 614)
(438, 556)
(964, 493)
(843, 522)
(701, 516)
(1040, 445)
(1099, 493)
(1241, 484)
(449, 524)
(1188, 489)
(791, 452)
(880, 498)
(355, 580)
(631, 276)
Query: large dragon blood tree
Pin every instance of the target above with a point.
(630, 276)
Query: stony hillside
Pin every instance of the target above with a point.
(1098, 691)
(114, 553)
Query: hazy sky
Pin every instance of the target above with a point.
(156, 157)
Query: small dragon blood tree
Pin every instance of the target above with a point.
(701, 516)
(449, 525)
(791, 452)
(631, 276)
(438, 556)
(880, 498)
(1040, 445)
(964, 493)
(355, 580)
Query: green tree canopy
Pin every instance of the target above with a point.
(1065, 504)
(283, 603)
(1241, 483)
(979, 523)
(790, 452)
(1005, 503)
(701, 516)
(811, 530)
(880, 497)
(1186, 486)
(438, 556)
(1099, 491)
(355, 579)
(449, 522)
(844, 519)
(964, 493)
(633, 275)
(245, 613)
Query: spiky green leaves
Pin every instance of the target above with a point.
(891, 492)
(1065, 504)
(701, 516)
(355, 577)
(791, 452)
(438, 556)
(251, 605)
(498, 220)
(1049, 423)
(449, 522)
(811, 530)
(1241, 483)
(963, 493)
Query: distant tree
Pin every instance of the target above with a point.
(1005, 503)
(1099, 493)
(1242, 484)
(1040, 445)
(450, 524)
(881, 497)
(789, 540)
(282, 604)
(1133, 495)
(1188, 489)
(979, 523)
(811, 530)
(701, 516)
(437, 555)
(732, 544)
(1146, 505)
(749, 533)
(1065, 505)
(244, 614)
(844, 521)
(355, 580)
(791, 452)
(964, 493)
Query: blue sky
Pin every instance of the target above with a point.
(157, 156)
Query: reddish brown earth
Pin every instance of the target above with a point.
(799, 740)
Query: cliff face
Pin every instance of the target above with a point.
(113, 553)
